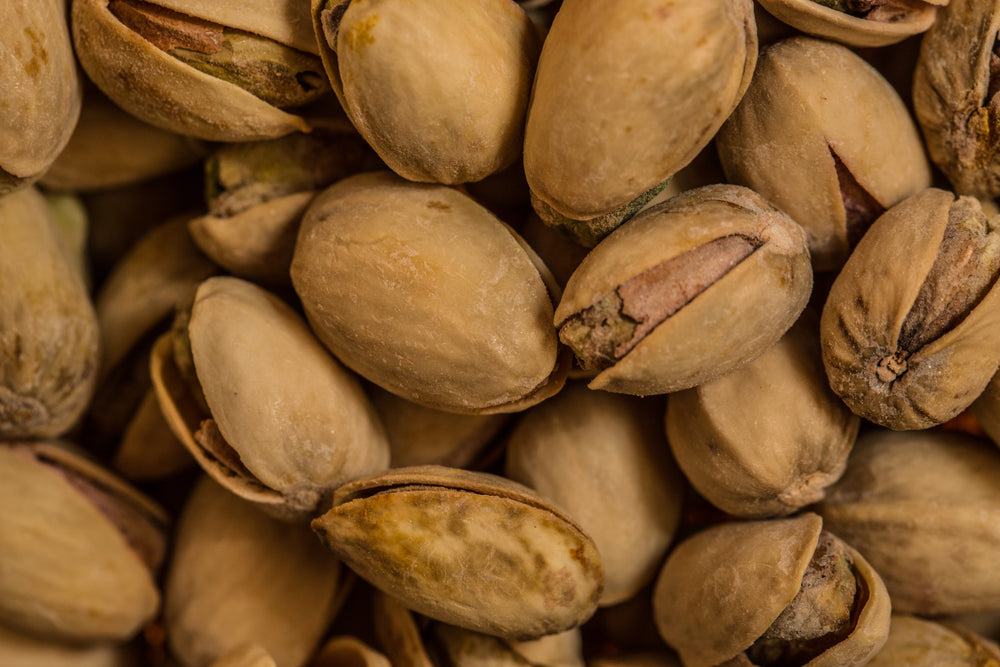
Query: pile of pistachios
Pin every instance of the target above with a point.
(551, 333)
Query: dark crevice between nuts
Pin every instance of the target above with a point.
(884, 11)
(993, 87)
(860, 207)
(608, 330)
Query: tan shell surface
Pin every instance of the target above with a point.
(284, 21)
(42, 93)
(657, 78)
(916, 642)
(29, 651)
(425, 293)
(986, 408)
(246, 655)
(812, 17)
(346, 650)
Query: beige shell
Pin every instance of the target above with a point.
(238, 576)
(49, 338)
(810, 104)
(812, 17)
(470, 549)
(425, 293)
(29, 651)
(924, 508)
(439, 90)
(915, 642)
(768, 438)
(245, 655)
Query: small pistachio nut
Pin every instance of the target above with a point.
(80, 547)
(425, 293)
(458, 647)
(986, 409)
(619, 105)
(42, 91)
(924, 508)
(775, 592)
(917, 642)
(911, 327)
(49, 337)
(857, 22)
(955, 98)
(438, 88)
(824, 137)
(616, 443)
(148, 449)
(768, 438)
(470, 549)
(237, 576)
(245, 655)
(25, 650)
(283, 430)
(686, 291)
(222, 70)
(346, 650)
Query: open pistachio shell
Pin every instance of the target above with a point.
(887, 22)
(916, 642)
(416, 533)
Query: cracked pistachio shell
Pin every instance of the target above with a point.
(916, 642)
(160, 89)
(49, 338)
(470, 549)
(616, 443)
(686, 291)
(22, 650)
(438, 89)
(238, 576)
(79, 547)
(924, 508)
(428, 295)
(825, 138)
(955, 95)
(722, 588)
(626, 67)
(768, 438)
(42, 92)
(890, 21)
(911, 327)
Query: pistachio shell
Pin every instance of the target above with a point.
(281, 20)
(29, 651)
(345, 650)
(915, 642)
(813, 17)
(414, 532)
(398, 633)
(148, 449)
(246, 655)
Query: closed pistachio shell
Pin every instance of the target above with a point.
(878, 25)
(415, 533)
(916, 642)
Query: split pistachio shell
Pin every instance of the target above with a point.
(915, 642)
(439, 90)
(79, 547)
(238, 576)
(882, 22)
(42, 92)
(625, 67)
(911, 328)
(23, 650)
(686, 291)
(768, 438)
(416, 533)
(425, 293)
(49, 338)
(824, 137)
(924, 508)
(728, 586)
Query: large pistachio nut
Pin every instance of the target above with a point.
(222, 70)
(685, 292)
(955, 95)
(22, 650)
(911, 328)
(79, 546)
(924, 508)
(626, 67)
(768, 438)
(470, 549)
(776, 592)
(438, 89)
(615, 443)
(240, 577)
(825, 138)
(42, 92)
(425, 293)
(857, 22)
(916, 642)
(49, 339)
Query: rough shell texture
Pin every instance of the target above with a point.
(812, 17)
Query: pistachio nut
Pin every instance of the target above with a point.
(344, 650)
(29, 651)
(768, 438)
(438, 89)
(986, 409)
(470, 549)
(425, 293)
(80, 547)
(916, 642)
(654, 308)
(42, 91)
(781, 591)
(955, 95)
(824, 137)
(49, 336)
(221, 70)
(911, 328)
(615, 443)
(245, 655)
(857, 22)
(237, 576)
(398, 632)
(148, 449)
(625, 67)
(458, 647)
(924, 508)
